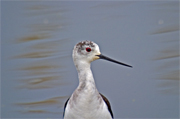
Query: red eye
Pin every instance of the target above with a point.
(88, 49)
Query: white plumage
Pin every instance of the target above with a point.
(86, 102)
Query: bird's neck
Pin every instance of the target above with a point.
(86, 80)
(84, 71)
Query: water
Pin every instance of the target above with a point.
(38, 74)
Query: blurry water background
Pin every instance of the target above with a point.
(38, 74)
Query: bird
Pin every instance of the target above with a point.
(86, 102)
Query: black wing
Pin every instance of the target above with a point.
(65, 107)
(108, 104)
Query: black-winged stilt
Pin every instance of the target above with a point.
(86, 102)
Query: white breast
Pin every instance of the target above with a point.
(87, 110)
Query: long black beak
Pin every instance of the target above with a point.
(109, 59)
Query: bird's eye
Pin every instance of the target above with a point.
(88, 49)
